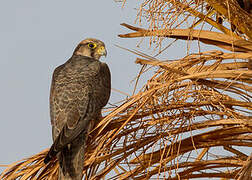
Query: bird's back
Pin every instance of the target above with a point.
(80, 89)
(71, 83)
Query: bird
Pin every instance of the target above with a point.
(80, 88)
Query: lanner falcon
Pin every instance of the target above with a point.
(80, 89)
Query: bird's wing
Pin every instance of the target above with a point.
(77, 118)
(75, 104)
(54, 109)
(106, 83)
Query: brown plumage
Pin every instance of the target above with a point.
(80, 89)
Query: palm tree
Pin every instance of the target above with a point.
(192, 119)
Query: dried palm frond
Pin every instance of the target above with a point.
(192, 118)
(173, 126)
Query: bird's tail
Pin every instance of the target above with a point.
(71, 160)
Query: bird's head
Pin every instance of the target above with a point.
(92, 48)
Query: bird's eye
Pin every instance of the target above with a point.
(91, 45)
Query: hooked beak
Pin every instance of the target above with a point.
(102, 51)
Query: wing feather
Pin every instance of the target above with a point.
(76, 99)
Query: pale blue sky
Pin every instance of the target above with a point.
(36, 37)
